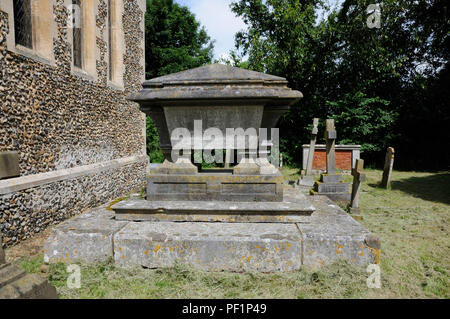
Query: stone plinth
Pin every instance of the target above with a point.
(294, 208)
(327, 235)
(333, 187)
(215, 187)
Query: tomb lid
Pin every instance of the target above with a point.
(216, 81)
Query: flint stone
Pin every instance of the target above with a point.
(210, 246)
(88, 237)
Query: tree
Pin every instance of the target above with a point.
(174, 41)
(367, 79)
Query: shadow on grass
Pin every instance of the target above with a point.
(434, 188)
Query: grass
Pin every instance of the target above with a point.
(411, 219)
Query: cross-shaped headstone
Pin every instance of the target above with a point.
(312, 147)
(330, 137)
(358, 177)
(388, 164)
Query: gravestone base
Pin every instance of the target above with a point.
(325, 236)
(331, 185)
(306, 180)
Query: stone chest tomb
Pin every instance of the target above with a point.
(227, 219)
(221, 97)
(224, 98)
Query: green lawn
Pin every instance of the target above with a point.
(411, 219)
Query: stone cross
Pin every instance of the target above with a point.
(388, 164)
(330, 137)
(358, 177)
(312, 147)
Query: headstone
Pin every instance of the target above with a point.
(308, 179)
(330, 137)
(330, 184)
(358, 177)
(388, 164)
(9, 164)
(2, 253)
(17, 284)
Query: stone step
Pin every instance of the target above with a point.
(292, 209)
(10, 273)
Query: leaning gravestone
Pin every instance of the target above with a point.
(388, 164)
(358, 177)
(17, 284)
(307, 179)
(330, 183)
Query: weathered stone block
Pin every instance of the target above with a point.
(88, 237)
(210, 246)
(9, 164)
(333, 234)
(16, 284)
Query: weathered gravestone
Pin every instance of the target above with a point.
(358, 177)
(17, 284)
(307, 179)
(388, 164)
(2, 253)
(330, 183)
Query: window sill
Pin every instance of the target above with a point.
(115, 86)
(81, 73)
(32, 54)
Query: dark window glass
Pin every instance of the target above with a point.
(76, 10)
(22, 23)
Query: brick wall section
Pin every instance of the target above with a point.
(343, 160)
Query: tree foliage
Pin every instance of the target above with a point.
(383, 86)
(174, 39)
